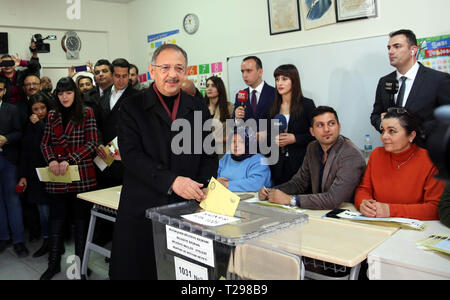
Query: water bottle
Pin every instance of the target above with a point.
(367, 146)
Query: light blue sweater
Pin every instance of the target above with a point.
(249, 175)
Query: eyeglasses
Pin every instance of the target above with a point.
(31, 84)
(179, 69)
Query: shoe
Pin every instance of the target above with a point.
(43, 250)
(20, 250)
(3, 246)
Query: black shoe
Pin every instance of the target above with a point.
(50, 272)
(20, 250)
(3, 246)
(43, 250)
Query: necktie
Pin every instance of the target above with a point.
(253, 102)
(401, 93)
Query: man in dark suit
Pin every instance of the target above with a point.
(155, 174)
(260, 95)
(10, 207)
(110, 104)
(421, 89)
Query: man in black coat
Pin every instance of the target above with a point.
(421, 89)
(154, 174)
(110, 105)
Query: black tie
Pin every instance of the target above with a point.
(401, 93)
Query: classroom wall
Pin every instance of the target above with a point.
(235, 27)
(103, 29)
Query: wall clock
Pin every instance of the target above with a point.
(191, 23)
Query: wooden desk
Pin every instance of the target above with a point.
(108, 197)
(399, 258)
(106, 203)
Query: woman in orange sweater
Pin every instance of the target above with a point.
(399, 179)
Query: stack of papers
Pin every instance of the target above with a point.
(437, 242)
(406, 223)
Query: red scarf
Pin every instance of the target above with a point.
(173, 114)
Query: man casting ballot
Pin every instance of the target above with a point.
(154, 175)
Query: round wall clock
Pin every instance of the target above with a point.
(191, 23)
(71, 44)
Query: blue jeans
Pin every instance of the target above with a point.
(44, 216)
(10, 206)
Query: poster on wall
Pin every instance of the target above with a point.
(199, 74)
(159, 39)
(434, 52)
(284, 16)
(317, 13)
(355, 9)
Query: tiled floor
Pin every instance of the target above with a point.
(29, 268)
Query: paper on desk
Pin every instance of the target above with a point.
(270, 204)
(210, 219)
(45, 175)
(219, 199)
(410, 223)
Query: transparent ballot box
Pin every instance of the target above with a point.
(263, 243)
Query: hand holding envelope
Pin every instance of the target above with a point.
(220, 200)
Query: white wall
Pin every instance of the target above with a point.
(103, 29)
(235, 27)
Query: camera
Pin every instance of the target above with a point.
(41, 47)
(439, 143)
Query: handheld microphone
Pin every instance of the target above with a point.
(391, 87)
(242, 97)
(281, 123)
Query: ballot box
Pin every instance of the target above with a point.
(260, 243)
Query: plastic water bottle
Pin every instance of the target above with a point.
(367, 146)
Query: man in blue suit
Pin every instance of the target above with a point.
(421, 89)
(260, 94)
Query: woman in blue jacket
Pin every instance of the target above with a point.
(240, 170)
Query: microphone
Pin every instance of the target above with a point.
(281, 123)
(242, 97)
(391, 87)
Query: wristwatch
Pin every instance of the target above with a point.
(293, 201)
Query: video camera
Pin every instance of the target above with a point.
(439, 143)
(41, 47)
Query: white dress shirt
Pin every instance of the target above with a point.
(258, 92)
(115, 96)
(411, 76)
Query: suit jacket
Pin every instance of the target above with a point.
(11, 128)
(76, 144)
(300, 128)
(263, 108)
(145, 138)
(109, 122)
(342, 174)
(430, 90)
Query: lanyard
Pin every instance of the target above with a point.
(173, 114)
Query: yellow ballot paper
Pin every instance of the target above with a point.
(72, 174)
(220, 200)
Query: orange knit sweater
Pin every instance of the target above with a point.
(410, 190)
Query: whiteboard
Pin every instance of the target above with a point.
(343, 75)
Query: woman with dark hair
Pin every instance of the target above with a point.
(399, 179)
(291, 105)
(70, 138)
(32, 158)
(240, 170)
(220, 110)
